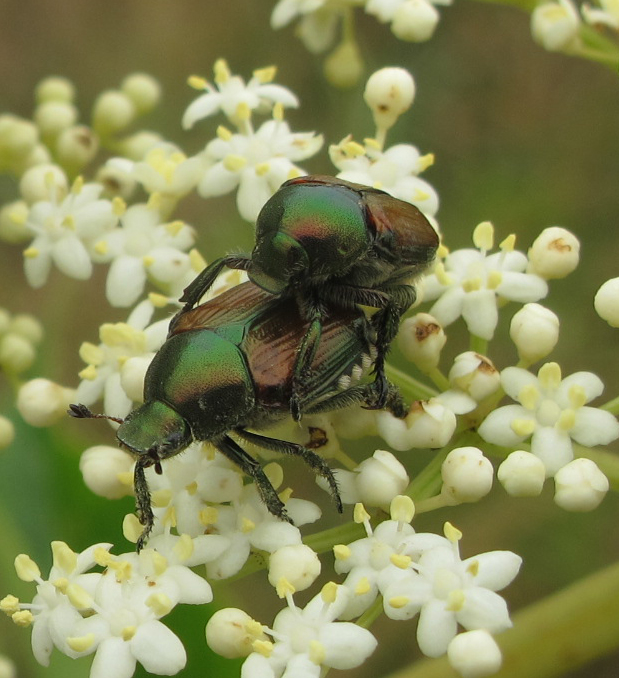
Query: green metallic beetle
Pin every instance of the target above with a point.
(327, 241)
(227, 366)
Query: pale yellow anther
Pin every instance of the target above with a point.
(169, 517)
(400, 560)
(61, 584)
(452, 533)
(419, 195)
(495, 278)
(284, 588)
(285, 494)
(122, 570)
(77, 185)
(360, 515)
(32, 252)
(455, 600)
(425, 161)
(363, 586)
(18, 217)
(473, 568)
(254, 628)
(509, 243)
(103, 557)
(119, 206)
(577, 396)
(208, 516)
(9, 604)
(372, 144)
(125, 478)
(522, 427)
(161, 498)
(128, 632)
(81, 643)
(529, 396)
(262, 169)
(158, 300)
(402, 508)
(177, 157)
(91, 353)
(132, 528)
(148, 260)
(88, 373)
(342, 552)
(222, 71)
(197, 261)
(160, 604)
(26, 568)
(472, 284)
(441, 275)
(263, 647)
(79, 597)
(398, 602)
(101, 247)
(154, 201)
(158, 561)
(247, 525)
(293, 173)
(328, 593)
(483, 236)
(192, 488)
(243, 112)
(317, 652)
(175, 227)
(278, 112)
(550, 375)
(183, 549)
(69, 222)
(442, 251)
(197, 82)
(266, 74)
(567, 420)
(234, 163)
(275, 473)
(64, 557)
(224, 133)
(352, 149)
(49, 179)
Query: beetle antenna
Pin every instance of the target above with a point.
(80, 411)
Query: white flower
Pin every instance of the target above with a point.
(555, 253)
(607, 15)
(298, 564)
(535, 331)
(522, 474)
(64, 230)
(318, 24)
(308, 639)
(394, 170)
(467, 475)
(551, 410)
(428, 424)
(389, 92)
(257, 163)
(447, 591)
(231, 95)
(413, 20)
(555, 25)
(421, 339)
(470, 283)
(42, 402)
(473, 377)
(607, 302)
(474, 654)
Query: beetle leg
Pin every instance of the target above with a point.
(311, 458)
(142, 500)
(252, 468)
(305, 358)
(364, 394)
(202, 283)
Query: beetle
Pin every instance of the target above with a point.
(324, 240)
(227, 366)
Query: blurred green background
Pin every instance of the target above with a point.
(524, 138)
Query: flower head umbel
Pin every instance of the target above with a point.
(471, 283)
(552, 411)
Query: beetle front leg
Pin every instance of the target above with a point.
(203, 282)
(143, 500)
(305, 358)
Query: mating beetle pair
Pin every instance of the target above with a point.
(288, 341)
(327, 241)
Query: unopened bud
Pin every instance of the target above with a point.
(104, 468)
(389, 92)
(415, 21)
(298, 564)
(467, 475)
(607, 302)
(522, 474)
(421, 339)
(554, 253)
(580, 486)
(143, 90)
(535, 331)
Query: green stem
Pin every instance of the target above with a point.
(611, 406)
(553, 636)
(412, 389)
(479, 345)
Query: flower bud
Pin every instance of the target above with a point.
(344, 66)
(42, 402)
(55, 89)
(231, 633)
(580, 486)
(16, 353)
(43, 182)
(474, 654)
(143, 90)
(77, 146)
(474, 374)
(132, 375)
(17, 137)
(52, 117)
(389, 92)
(607, 302)
(535, 331)
(7, 667)
(555, 25)
(415, 20)
(379, 479)
(13, 218)
(428, 424)
(7, 432)
(113, 111)
(298, 564)
(421, 339)
(103, 468)
(28, 327)
(554, 253)
(116, 182)
(136, 146)
(522, 474)
(467, 475)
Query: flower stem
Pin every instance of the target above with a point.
(412, 389)
(553, 636)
